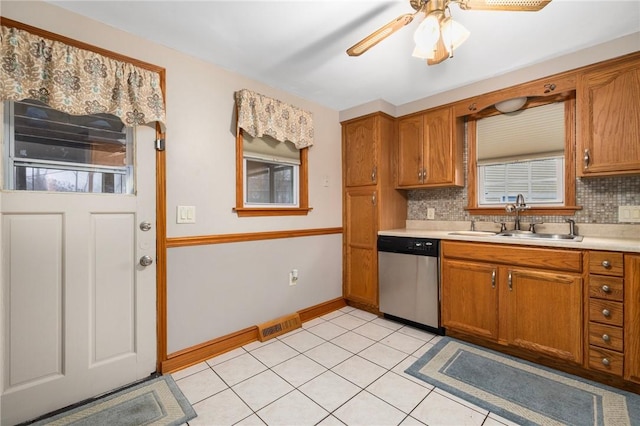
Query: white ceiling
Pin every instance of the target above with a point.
(299, 45)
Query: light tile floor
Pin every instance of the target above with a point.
(345, 368)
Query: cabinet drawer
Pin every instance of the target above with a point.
(606, 263)
(605, 360)
(606, 336)
(605, 312)
(610, 288)
(532, 257)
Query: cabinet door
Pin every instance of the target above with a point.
(438, 143)
(545, 313)
(410, 141)
(470, 298)
(608, 131)
(632, 318)
(360, 146)
(360, 257)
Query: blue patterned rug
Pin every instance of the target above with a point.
(157, 401)
(520, 391)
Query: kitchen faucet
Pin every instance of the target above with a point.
(518, 207)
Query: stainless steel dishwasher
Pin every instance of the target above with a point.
(409, 281)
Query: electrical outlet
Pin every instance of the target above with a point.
(431, 213)
(293, 277)
(629, 214)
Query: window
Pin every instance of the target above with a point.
(48, 150)
(540, 181)
(271, 172)
(274, 177)
(529, 152)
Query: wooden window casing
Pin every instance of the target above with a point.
(569, 207)
(303, 187)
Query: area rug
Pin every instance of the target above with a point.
(520, 391)
(158, 401)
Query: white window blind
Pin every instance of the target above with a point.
(541, 182)
(268, 149)
(522, 135)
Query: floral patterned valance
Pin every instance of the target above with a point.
(76, 81)
(260, 115)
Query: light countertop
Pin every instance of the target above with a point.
(624, 238)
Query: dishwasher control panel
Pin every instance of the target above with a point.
(409, 245)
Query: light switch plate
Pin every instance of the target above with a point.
(629, 214)
(186, 214)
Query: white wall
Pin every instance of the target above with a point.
(253, 287)
(218, 289)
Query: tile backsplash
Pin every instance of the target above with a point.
(599, 198)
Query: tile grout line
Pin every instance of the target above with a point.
(352, 354)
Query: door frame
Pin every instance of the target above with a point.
(160, 187)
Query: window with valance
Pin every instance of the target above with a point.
(69, 110)
(272, 144)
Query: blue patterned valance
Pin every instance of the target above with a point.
(259, 115)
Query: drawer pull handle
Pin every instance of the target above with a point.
(493, 279)
(606, 337)
(586, 158)
(606, 289)
(606, 313)
(605, 361)
(606, 264)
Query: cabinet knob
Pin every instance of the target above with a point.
(606, 289)
(606, 337)
(606, 312)
(605, 361)
(606, 264)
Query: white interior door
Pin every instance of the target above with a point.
(79, 310)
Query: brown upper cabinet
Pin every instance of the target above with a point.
(361, 138)
(608, 114)
(430, 149)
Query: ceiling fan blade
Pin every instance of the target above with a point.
(377, 36)
(506, 5)
(440, 54)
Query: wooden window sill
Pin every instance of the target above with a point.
(272, 211)
(533, 211)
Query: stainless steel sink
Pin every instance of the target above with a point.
(473, 233)
(534, 236)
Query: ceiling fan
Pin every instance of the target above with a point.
(438, 35)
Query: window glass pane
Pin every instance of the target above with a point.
(540, 181)
(270, 183)
(57, 180)
(50, 150)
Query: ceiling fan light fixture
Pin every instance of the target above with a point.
(511, 105)
(428, 32)
(453, 34)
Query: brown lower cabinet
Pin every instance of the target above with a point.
(516, 296)
(632, 318)
(561, 307)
